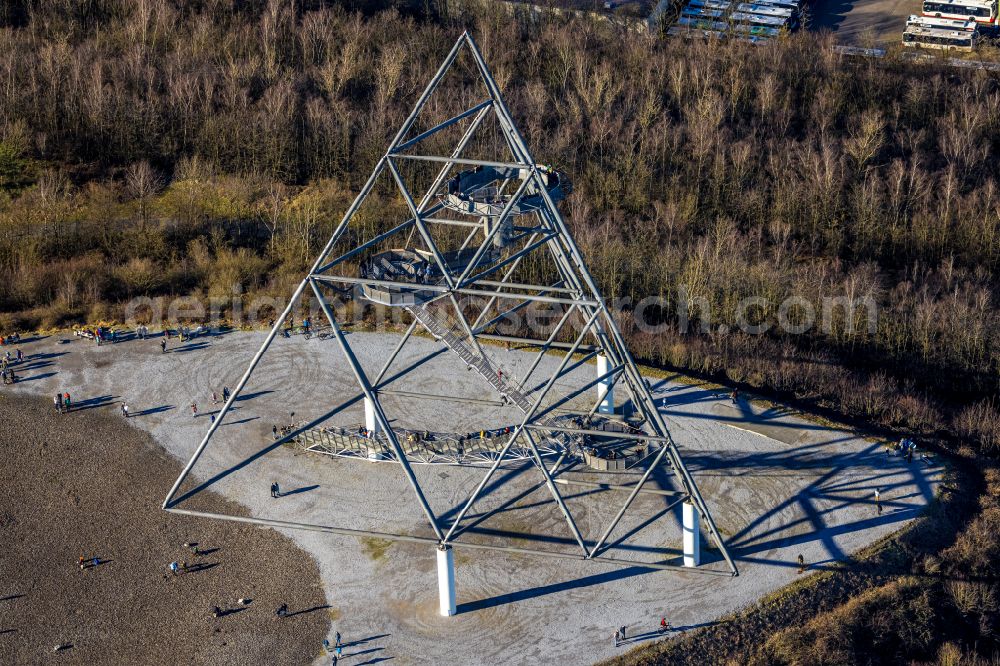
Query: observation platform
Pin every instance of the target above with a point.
(415, 267)
(617, 451)
(485, 191)
(482, 448)
(610, 453)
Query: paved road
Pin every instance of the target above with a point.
(863, 22)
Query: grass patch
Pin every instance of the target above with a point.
(375, 548)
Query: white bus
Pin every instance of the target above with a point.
(758, 19)
(702, 24)
(701, 12)
(684, 31)
(762, 31)
(709, 4)
(915, 21)
(766, 10)
(980, 11)
(940, 38)
(681, 31)
(790, 4)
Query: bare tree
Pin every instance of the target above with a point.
(142, 182)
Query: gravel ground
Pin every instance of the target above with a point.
(776, 484)
(86, 484)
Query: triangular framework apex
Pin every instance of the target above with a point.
(482, 239)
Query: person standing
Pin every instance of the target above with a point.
(617, 637)
(878, 502)
(58, 401)
(194, 409)
(163, 346)
(623, 632)
(274, 432)
(802, 563)
(124, 409)
(67, 403)
(225, 394)
(215, 398)
(275, 491)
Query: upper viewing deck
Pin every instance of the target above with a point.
(485, 191)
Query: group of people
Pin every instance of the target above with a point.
(307, 327)
(621, 633)
(100, 335)
(905, 447)
(7, 361)
(12, 339)
(336, 649)
(177, 568)
(215, 401)
(185, 333)
(62, 403)
(88, 562)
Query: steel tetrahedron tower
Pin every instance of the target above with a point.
(478, 237)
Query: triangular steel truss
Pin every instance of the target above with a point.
(480, 271)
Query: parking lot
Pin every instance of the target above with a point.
(866, 23)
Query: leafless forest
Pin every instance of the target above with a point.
(139, 135)
(133, 131)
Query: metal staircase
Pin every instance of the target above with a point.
(489, 369)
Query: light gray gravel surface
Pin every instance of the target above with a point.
(777, 486)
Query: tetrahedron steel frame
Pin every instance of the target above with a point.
(575, 291)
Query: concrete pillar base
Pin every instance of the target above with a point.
(371, 423)
(605, 387)
(692, 535)
(446, 580)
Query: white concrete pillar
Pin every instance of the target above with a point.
(692, 535)
(605, 387)
(446, 580)
(371, 423)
